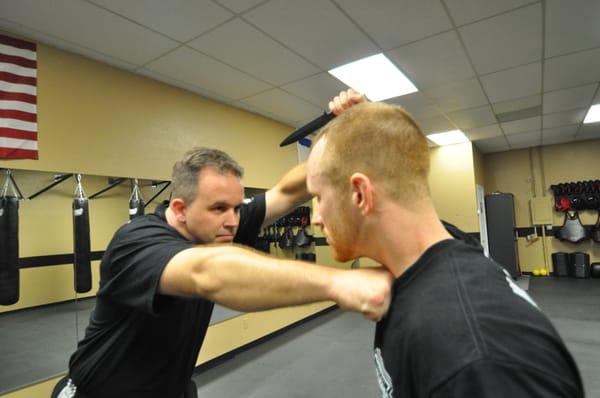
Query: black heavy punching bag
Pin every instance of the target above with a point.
(9, 250)
(81, 241)
(136, 202)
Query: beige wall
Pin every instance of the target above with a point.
(478, 167)
(452, 183)
(96, 119)
(529, 173)
(41, 389)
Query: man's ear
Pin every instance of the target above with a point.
(178, 206)
(362, 193)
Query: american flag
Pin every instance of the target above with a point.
(18, 99)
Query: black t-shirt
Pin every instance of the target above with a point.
(140, 343)
(458, 326)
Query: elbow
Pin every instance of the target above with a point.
(206, 283)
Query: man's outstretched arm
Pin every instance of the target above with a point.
(245, 280)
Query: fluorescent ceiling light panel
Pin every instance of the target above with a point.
(448, 137)
(376, 77)
(593, 114)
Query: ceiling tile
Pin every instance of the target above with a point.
(318, 89)
(239, 5)
(525, 140)
(571, 26)
(519, 126)
(184, 85)
(570, 98)
(466, 11)
(434, 124)
(89, 26)
(513, 83)
(475, 117)
(482, 133)
(523, 145)
(588, 132)
(417, 104)
(190, 66)
(505, 41)
(306, 27)
(564, 118)
(262, 112)
(41, 37)
(496, 144)
(181, 20)
(517, 104)
(559, 135)
(433, 62)
(572, 70)
(237, 43)
(557, 140)
(278, 102)
(392, 23)
(459, 95)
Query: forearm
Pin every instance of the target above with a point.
(245, 280)
(288, 194)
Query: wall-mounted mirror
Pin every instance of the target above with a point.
(40, 330)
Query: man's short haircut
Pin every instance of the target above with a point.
(381, 141)
(185, 171)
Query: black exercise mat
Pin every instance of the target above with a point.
(567, 297)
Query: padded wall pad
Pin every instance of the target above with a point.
(572, 229)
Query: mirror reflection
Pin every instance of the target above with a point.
(64, 222)
(47, 297)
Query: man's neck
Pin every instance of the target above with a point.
(402, 235)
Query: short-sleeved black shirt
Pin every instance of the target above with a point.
(140, 343)
(459, 326)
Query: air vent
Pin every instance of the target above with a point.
(519, 114)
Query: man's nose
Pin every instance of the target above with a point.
(232, 219)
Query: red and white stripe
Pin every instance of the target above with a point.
(18, 99)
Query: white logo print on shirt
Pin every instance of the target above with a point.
(383, 377)
(517, 290)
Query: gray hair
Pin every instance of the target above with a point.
(185, 171)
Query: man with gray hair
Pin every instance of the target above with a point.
(162, 273)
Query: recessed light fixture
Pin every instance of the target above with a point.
(448, 137)
(593, 114)
(376, 77)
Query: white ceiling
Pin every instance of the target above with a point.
(509, 73)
